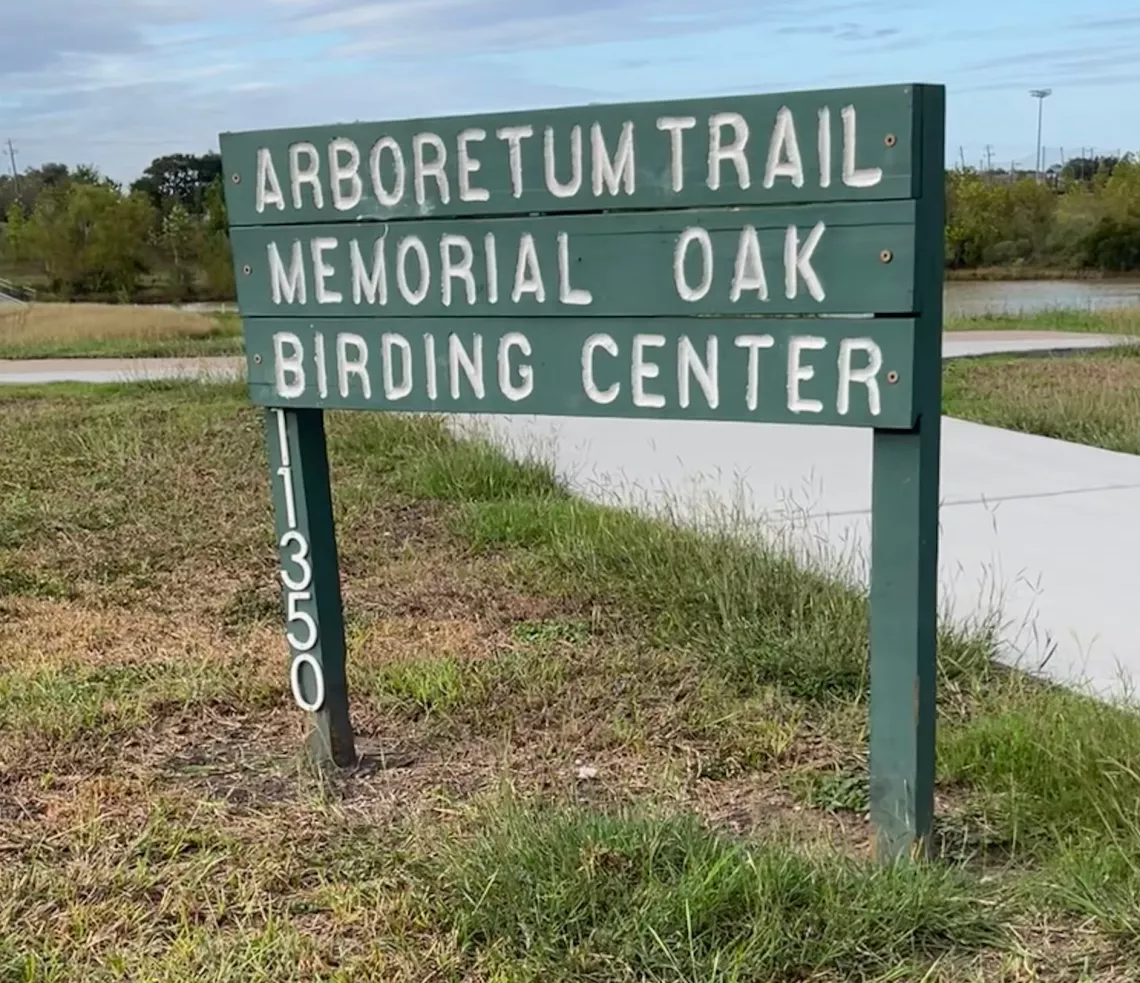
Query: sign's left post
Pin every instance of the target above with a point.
(309, 574)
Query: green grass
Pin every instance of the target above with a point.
(1123, 321)
(602, 747)
(574, 894)
(1087, 398)
(223, 343)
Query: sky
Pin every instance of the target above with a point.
(118, 82)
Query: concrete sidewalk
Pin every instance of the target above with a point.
(27, 372)
(1041, 530)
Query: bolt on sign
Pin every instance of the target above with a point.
(770, 258)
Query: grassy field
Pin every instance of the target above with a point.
(90, 330)
(1122, 321)
(599, 748)
(1088, 398)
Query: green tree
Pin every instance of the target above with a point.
(971, 223)
(88, 237)
(177, 237)
(180, 178)
(214, 251)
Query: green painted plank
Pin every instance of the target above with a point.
(601, 265)
(904, 546)
(725, 144)
(845, 371)
(310, 579)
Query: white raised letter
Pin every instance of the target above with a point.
(642, 370)
(528, 274)
(566, 293)
(514, 339)
(268, 187)
(468, 166)
(432, 369)
(801, 373)
(825, 147)
(609, 175)
(853, 177)
(676, 126)
(456, 270)
(514, 135)
(784, 143)
(689, 362)
(287, 287)
(371, 286)
(734, 151)
(322, 270)
(423, 169)
(754, 342)
(339, 173)
(383, 195)
(322, 368)
(389, 342)
(472, 366)
(553, 185)
(595, 394)
(346, 367)
(492, 260)
(684, 291)
(798, 260)
(288, 372)
(749, 271)
(412, 244)
(299, 175)
(866, 375)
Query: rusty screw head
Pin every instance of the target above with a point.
(886, 256)
(890, 140)
(892, 377)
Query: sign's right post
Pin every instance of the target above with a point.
(904, 549)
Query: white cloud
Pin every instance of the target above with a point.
(120, 81)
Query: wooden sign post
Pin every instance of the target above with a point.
(771, 258)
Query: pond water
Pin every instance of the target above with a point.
(967, 297)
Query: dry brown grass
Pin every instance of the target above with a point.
(57, 329)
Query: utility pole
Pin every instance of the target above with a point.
(1040, 95)
(962, 155)
(989, 158)
(12, 158)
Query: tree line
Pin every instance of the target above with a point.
(72, 233)
(1084, 217)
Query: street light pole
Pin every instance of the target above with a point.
(1040, 95)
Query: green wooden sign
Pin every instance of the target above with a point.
(833, 145)
(830, 259)
(770, 258)
(839, 371)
